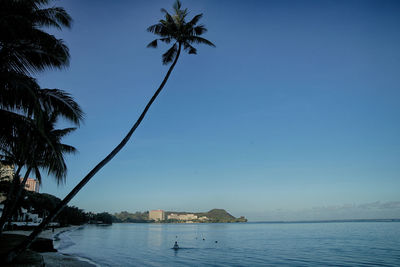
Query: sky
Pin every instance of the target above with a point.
(293, 115)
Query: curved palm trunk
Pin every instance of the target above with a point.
(8, 202)
(29, 240)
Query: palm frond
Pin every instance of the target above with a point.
(61, 103)
(163, 10)
(169, 56)
(195, 19)
(177, 6)
(55, 17)
(59, 133)
(156, 28)
(68, 149)
(165, 40)
(199, 30)
(189, 48)
(153, 44)
(200, 40)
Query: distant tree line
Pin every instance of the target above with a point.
(137, 217)
(100, 218)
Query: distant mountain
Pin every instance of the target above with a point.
(214, 215)
(218, 215)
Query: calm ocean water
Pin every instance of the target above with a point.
(248, 244)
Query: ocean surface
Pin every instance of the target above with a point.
(237, 244)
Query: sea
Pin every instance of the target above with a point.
(236, 244)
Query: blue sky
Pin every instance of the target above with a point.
(294, 114)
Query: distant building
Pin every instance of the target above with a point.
(188, 217)
(31, 185)
(157, 215)
(182, 217)
(173, 216)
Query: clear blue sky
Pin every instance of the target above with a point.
(294, 115)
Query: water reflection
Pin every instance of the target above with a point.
(154, 237)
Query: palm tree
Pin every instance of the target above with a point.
(24, 112)
(26, 49)
(37, 148)
(173, 28)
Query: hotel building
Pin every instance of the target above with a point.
(157, 215)
(31, 185)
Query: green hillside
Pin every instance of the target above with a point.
(221, 215)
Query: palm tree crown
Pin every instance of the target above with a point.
(175, 29)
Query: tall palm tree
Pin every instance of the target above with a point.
(37, 148)
(173, 28)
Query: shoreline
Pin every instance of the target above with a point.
(61, 260)
(57, 258)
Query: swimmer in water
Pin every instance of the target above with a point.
(176, 245)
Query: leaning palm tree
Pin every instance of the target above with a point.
(173, 29)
